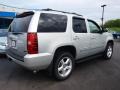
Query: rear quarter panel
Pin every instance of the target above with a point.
(49, 42)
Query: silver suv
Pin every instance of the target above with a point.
(55, 40)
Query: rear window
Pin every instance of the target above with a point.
(21, 22)
(52, 23)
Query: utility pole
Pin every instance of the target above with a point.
(103, 6)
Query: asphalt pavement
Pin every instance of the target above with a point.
(96, 74)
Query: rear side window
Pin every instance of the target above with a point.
(21, 22)
(52, 23)
(79, 25)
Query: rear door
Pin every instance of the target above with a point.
(17, 38)
(80, 37)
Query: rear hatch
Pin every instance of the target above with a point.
(17, 37)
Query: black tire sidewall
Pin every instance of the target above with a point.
(106, 50)
(56, 62)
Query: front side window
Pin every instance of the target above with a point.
(52, 23)
(94, 28)
(79, 25)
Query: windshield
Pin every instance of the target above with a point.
(5, 22)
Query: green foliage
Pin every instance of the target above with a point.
(112, 23)
(115, 29)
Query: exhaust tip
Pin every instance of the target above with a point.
(34, 72)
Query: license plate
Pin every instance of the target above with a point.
(13, 43)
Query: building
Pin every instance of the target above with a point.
(7, 13)
(6, 19)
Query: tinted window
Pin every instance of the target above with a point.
(4, 23)
(52, 23)
(21, 23)
(79, 25)
(94, 28)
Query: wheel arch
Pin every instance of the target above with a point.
(67, 48)
(110, 41)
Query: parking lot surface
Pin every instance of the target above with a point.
(97, 74)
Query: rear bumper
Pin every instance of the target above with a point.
(34, 62)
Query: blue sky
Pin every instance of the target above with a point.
(88, 8)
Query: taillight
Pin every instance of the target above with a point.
(32, 43)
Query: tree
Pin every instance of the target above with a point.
(112, 23)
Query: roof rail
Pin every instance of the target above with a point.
(48, 9)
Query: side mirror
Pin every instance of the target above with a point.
(104, 29)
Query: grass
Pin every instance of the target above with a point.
(116, 29)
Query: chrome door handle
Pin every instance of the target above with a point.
(93, 38)
(76, 38)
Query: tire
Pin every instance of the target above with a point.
(108, 51)
(63, 65)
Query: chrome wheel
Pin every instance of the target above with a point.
(65, 67)
(109, 51)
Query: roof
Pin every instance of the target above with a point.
(7, 14)
(48, 9)
(64, 12)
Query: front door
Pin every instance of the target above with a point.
(96, 38)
